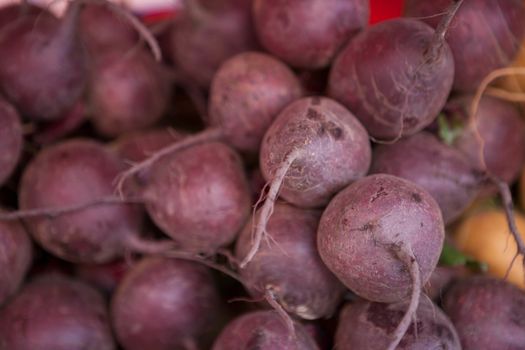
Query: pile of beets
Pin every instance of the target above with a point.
(254, 174)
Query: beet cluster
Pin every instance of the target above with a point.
(261, 174)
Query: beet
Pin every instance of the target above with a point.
(11, 140)
(262, 330)
(500, 127)
(279, 265)
(309, 33)
(42, 66)
(367, 325)
(164, 304)
(330, 147)
(247, 93)
(102, 28)
(382, 237)
(312, 150)
(366, 221)
(199, 196)
(207, 35)
(395, 76)
(440, 169)
(15, 258)
(128, 91)
(487, 313)
(56, 313)
(483, 36)
(91, 235)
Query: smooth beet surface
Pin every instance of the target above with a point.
(262, 330)
(308, 33)
(11, 140)
(208, 34)
(75, 172)
(488, 313)
(364, 224)
(367, 325)
(53, 312)
(395, 76)
(247, 93)
(199, 196)
(42, 66)
(15, 258)
(440, 169)
(165, 304)
(324, 146)
(128, 91)
(289, 265)
(483, 36)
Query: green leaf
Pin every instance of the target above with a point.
(450, 256)
(449, 131)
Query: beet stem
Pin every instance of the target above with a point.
(508, 206)
(406, 256)
(57, 211)
(438, 40)
(503, 187)
(267, 208)
(209, 135)
(505, 95)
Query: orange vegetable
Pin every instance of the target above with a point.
(485, 237)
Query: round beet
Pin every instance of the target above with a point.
(280, 264)
(73, 173)
(247, 93)
(165, 304)
(322, 146)
(262, 330)
(308, 33)
(206, 36)
(382, 237)
(367, 325)
(102, 28)
(199, 196)
(483, 36)
(488, 313)
(395, 76)
(56, 313)
(42, 66)
(441, 170)
(128, 91)
(362, 226)
(15, 258)
(501, 128)
(312, 150)
(11, 140)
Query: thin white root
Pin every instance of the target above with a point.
(406, 256)
(263, 215)
(53, 212)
